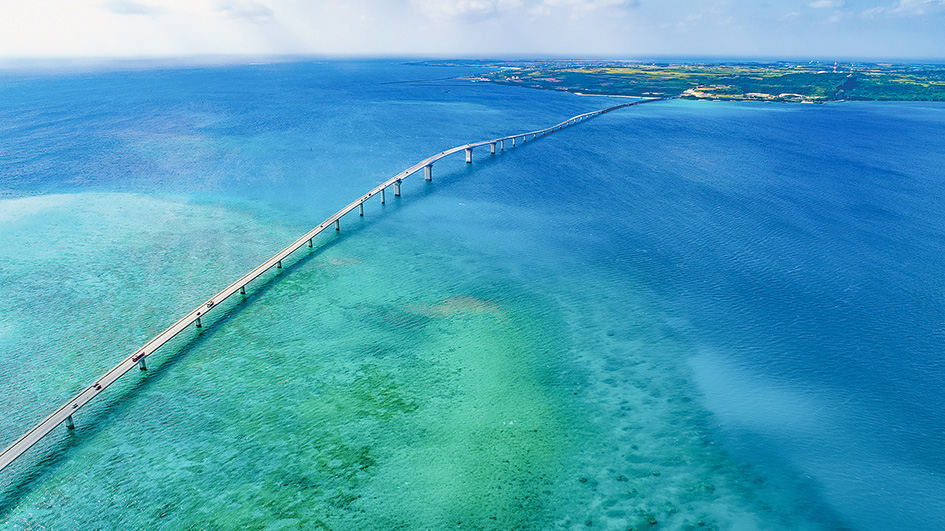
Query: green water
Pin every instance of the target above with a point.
(391, 378)
(340, 393)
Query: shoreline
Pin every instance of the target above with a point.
(730, 99)
(787, 82)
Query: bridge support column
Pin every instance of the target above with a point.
(513, 141)
(309, 243)
(428, 172)
(337, 224)
(197, 322)
(361, 209)
(382, 195)
(524, 138)
(142, 365)
(397, 188)
(69, 424)
(279, 264)
(492, 148)
(242, 290)
(468, 155)
(502, 145)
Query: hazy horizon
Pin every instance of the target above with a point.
(863, 30)
(88, 64)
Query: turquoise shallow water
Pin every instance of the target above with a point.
(686, 315)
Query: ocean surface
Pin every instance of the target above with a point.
(679, 315)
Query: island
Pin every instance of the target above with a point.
(807, 82)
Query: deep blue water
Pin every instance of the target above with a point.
(701, 314)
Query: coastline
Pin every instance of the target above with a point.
(771, 82)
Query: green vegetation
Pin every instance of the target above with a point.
(804, 82)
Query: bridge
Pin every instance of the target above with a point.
(64, 415)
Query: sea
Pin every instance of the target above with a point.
(678, 315)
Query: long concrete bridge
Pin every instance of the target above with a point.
(64, 415)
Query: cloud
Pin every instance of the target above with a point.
(582, 7)
(591, 5)
(918, 7)
(247, 9)
(838, 16)
(626, 28)
(130, 7)
(907, 8)
(470, 10)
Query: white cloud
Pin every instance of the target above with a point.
(130, 7)
(583, 7)
(907, 8)
(591, 5)
(247, 9)
(918, 7)
(626, 28)
(838, 13)
(827, 4)
(468, 9)
(838, 16)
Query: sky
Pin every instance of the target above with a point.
(622, 29)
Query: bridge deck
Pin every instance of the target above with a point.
(39, 431)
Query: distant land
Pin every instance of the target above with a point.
(809, 82)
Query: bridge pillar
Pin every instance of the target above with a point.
(197, 322)
(69, 424)
(513, 141)
(492, 148)
(428, 172)
(337, 224)
(468, 155)
(382, 196)
(361, 209)
(242, 290)
(309, 243)
(397, 188)
(502, 145)
(279, 264)
(142, 365)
